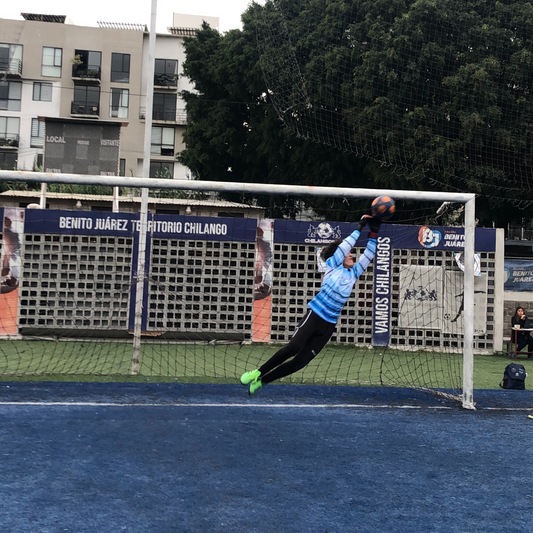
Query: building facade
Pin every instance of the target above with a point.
(51, 68)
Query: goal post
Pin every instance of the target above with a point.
(252, 189)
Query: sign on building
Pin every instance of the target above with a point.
(81, 147)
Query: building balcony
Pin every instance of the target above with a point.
(9, 140)
(166, 81)
(85, 110)
(87, 72)
(174, 116)
(11, 67)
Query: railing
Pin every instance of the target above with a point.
(9, 140)
(519, 233)
(166, 80)
(86, 72)
(165, 114)
(11, 66)
(177, 116)
(84, 109)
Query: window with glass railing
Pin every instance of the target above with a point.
(162, 141)
(166, 72)
(119, 103)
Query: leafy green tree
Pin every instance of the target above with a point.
(234, 133)
(420, 95)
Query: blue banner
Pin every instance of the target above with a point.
(518, 275)
(382, 292)
(127, 224)
(401, 236)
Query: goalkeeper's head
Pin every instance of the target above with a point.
(329, 250)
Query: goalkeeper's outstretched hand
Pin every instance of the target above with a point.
(365, 219)
(374, 224)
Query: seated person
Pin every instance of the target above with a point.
(522, 337)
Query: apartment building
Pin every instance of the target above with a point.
(51, 68)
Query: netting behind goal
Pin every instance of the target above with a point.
(221, 294)
(437, 91)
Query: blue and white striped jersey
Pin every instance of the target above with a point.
(338, 281)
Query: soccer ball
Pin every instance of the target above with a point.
(383, 207)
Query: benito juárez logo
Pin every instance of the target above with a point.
(429, 238)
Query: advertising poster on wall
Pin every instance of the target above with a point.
(264, 247)
(12, 232)
(518, 275)
(454, 303)
(421, 298)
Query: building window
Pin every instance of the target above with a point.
(164, 107)
(122, 167)
(166, 72)
(10, 95)
(11, 58)
(42, 91)
(162, 141)
(37, 133)
(52, 61)
(87, 64)
(86, 100)
(120, 68)
(9, 131)
(119, 101)
(161, 169)
(8, 160)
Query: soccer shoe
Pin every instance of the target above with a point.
(248, 377)
(254, 386)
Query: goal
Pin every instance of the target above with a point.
(217, 293)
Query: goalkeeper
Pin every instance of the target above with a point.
(316, 327)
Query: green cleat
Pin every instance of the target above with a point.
(254, 386)
(248, 377)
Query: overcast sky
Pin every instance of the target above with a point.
(133, 11)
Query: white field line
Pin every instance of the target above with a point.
(254, 405)
(183, 404)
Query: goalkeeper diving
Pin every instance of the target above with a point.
(317, 326)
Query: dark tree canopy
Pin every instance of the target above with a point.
(395, 93)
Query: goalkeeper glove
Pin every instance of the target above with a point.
(364, 221)
(374, 225)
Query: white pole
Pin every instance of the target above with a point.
(141, 275)
(468, 339)
(42, 202)
(116, 207)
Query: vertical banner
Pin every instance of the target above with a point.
(145, 274)
(382, 292)
(455, 303)
(421, 297)
(264, 246)
(13, 231)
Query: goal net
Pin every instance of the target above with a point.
(439, 92)
(222, 291)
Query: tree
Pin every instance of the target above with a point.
(413, 91)
(234, 133)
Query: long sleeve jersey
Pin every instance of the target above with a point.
(338, 281)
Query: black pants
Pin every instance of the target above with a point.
(311, 335)
(523, 340)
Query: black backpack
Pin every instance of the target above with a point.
(514, 377)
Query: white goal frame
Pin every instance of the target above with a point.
(468, 199)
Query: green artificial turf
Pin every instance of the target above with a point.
(111, 361)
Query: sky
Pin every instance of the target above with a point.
(132, 11)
